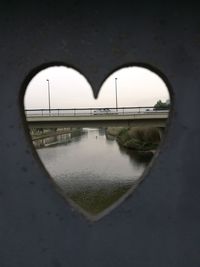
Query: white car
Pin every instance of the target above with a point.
(101, 111)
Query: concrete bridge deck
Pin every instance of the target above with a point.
(140, 119)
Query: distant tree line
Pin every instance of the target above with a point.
(162, 105)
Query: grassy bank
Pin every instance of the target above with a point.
(114, 131)
(139, 139)
(95, 201)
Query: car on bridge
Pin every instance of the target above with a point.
(102, 111)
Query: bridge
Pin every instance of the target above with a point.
(96, 117)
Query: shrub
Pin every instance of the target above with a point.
(142, 139)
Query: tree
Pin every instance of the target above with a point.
(161, 105)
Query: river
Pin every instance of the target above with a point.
(92, 170)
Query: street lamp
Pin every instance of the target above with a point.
(49, 95)
(116, 93)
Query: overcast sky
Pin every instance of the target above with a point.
(136, 86)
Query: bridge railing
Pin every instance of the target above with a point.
(92, 111)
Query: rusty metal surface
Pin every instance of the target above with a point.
(159, 224)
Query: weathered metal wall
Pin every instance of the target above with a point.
(159, 224)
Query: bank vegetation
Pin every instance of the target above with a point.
(140, 139)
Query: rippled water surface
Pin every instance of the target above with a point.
(91, 169)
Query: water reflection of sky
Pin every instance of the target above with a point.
(93, 160)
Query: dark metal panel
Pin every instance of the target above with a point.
(159, 224)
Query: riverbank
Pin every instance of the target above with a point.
(98, 199)
(40, 134)
(51, 132)
(53, 137)
(144, 140)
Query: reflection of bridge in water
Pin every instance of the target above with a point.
(97, 117)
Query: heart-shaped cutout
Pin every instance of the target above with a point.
(96, 149)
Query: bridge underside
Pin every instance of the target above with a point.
(93, 124)
(157, 119)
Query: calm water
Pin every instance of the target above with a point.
(91, 168)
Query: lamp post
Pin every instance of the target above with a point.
(116, 93)
(49, 95)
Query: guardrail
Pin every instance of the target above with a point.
(91, 111)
